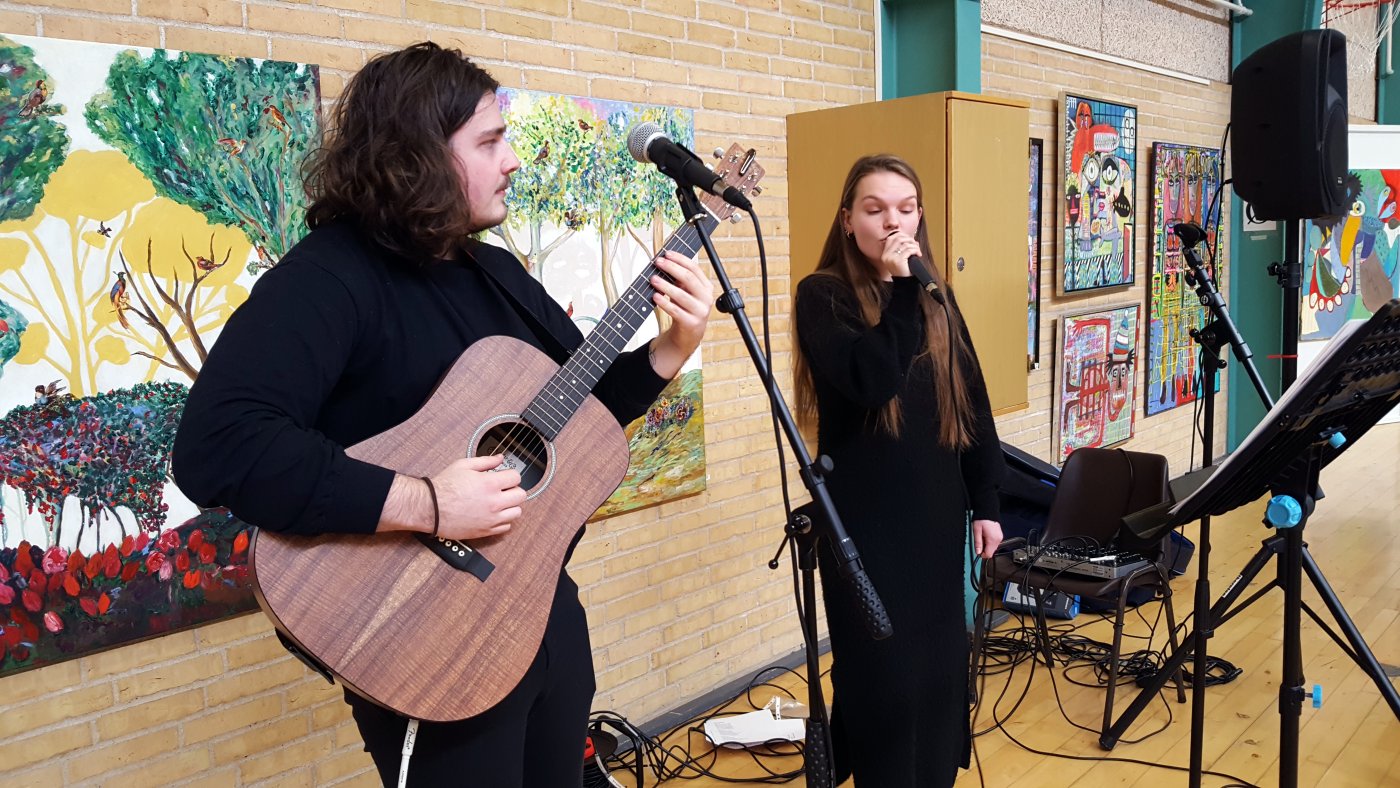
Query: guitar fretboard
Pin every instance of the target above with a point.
(552, 408)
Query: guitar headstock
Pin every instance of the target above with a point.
(739, 168)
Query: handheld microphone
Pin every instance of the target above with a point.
(920, 272)
(648, 143)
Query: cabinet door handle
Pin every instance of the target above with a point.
(961, 264)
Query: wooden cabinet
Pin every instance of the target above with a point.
(971, 153)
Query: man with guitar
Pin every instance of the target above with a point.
(348, 337)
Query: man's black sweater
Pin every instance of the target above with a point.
(342, 341)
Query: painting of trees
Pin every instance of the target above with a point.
(56, 266)
(576, 172)
(180, 279)
(120, 261)
(557, 141)
(103, 452)
(33, 143)
(633, 196)
(224, 136)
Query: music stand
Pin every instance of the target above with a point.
(1350, 388)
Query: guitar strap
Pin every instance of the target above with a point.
(551, 343)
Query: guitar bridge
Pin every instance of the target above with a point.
(459, 555)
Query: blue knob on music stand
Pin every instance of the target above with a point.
(1283, 512)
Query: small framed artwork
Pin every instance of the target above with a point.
(1096, 378)
(1098, 196)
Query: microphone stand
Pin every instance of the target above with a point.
(803, 528)
(1212, 337)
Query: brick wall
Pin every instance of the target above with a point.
(679, 596)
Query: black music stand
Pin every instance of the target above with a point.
(1351, 387)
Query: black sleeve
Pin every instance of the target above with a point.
(246, 439)
(628, 386)
(983, 464)
(867, 364)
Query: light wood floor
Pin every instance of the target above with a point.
(1353, 740)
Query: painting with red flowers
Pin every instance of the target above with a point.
(124, 247)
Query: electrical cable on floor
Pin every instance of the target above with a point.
(1002, 653)
(666, 761)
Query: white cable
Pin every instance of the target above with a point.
(410, 738)
(603, 770)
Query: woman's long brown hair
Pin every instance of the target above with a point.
(387, 164)
(842, 259)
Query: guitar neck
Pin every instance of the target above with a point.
(552, 408)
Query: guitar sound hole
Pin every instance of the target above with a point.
(524, 449)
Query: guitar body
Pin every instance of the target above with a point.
(393, 620)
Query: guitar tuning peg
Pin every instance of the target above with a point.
(757, 190)
(734, 218)
(718, 153)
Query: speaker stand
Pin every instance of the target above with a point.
(1289, 275)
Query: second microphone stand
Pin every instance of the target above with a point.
(805, 528)
(1212, 338)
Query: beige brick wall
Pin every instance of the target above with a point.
(679, 596)
(1169, 110)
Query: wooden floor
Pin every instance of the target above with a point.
(1353, 740)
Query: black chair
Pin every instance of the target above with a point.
(1097, 487)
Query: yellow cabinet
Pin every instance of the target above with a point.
(971, 153)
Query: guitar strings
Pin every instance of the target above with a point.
(606, 330)
(522, 431)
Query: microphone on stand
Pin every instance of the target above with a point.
(1191, 235)
(648, 143)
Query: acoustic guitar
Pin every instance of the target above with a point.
(439, 629)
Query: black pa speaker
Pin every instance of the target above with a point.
(1288, 123)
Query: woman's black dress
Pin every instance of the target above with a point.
(901, 704)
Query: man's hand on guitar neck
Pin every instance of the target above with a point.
(687, 299)
(473, 501)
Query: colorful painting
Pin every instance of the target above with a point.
(1184, 183)
(1096, 366)
(1099, 168)
(1351, 264)
(1033, 257)
(585, 219)
(143, 193)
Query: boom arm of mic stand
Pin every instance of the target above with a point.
(1223, 325)
(877, 621)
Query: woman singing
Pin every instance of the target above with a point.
(888, 373)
